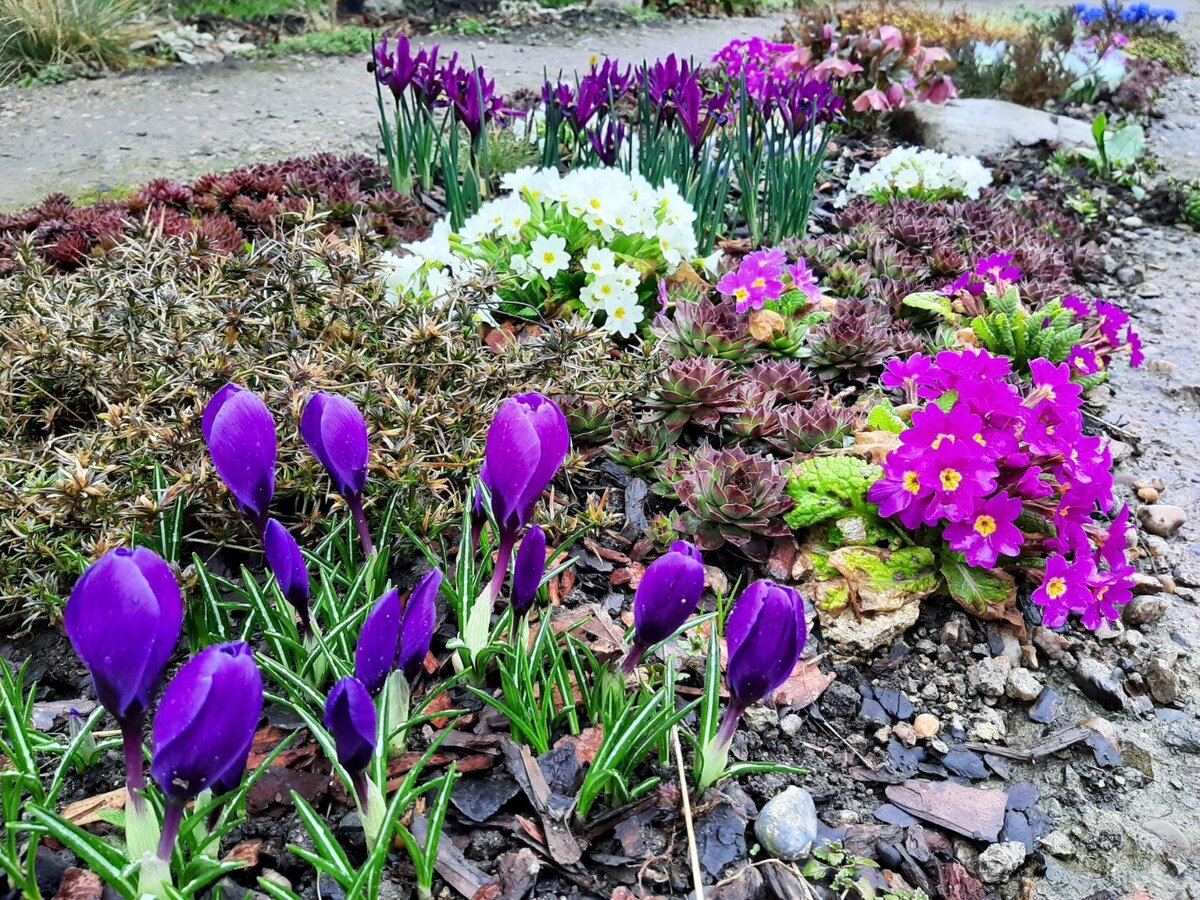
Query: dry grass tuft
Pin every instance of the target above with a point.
(96, 34)
(104, 374)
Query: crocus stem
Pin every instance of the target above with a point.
(135, 772)
(729, 725)
(636, 652)
(360, 519)
(503, 557)
(172, 819)
(714, 756)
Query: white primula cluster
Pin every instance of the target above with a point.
(595, 236)
(910, 172)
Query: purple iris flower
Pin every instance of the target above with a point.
(379, 642)
(351, 718)
(528, 570)
(395, 68)
(418, 625)
(240, 434)
(124, 619)
(288, 566)
(608, 140)
(669, 592)
(765, 635)
(526, 445)
(336, 433)
(204, 729)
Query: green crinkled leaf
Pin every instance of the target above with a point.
(932, 301)
(1126, 145)
(829, 487)
(976, 590)
(884, 418)
(946, 402)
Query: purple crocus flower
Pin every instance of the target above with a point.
(336, 433)
(204, 729)
(526, 445)
(418, 624)
(351, 718)
(528, 570)
(765, 635)
(379, 642)
(669, 592)
(240, 434)
(124, 619)
(473, 97)
(395, 67)
(288, 566)
(607, 141)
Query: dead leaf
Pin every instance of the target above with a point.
(806, 683)
(247, 852)
(80, 884)
(687, 276)
(765, 324)
(586, 744)
(966, 337)
(87, 812)
(875, 445)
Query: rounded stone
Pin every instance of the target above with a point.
(1022, 685)
(998, 862)
(787, 825)
(1162, 519)
(926, 725)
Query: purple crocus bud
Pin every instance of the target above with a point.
(418, 624)
(336, 433)
(529, 570)
(379, 642)
(526, 445)
(204, 729)
(240, 434)
(765, 635)
(669, 592)
(351, 718)
(124, 619)
(287, 564)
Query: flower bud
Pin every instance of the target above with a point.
(529, 570)
(287, 564)
(669, 592)
(378, 643)
(418, 625)
(206, 722)
(240, 434)
(336, 433)
(765, 635)
(351, 718)
(124, 619)
(526, 445)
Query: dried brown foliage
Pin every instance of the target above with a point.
(104, 374)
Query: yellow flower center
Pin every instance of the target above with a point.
(619, 313)
(548, 258)
(985, 525)
(606, 290)
(980, 440)
(741, 294)
(596, 203)
(1055, 588)
(912, 482)
(951, 479)
(937, 441)
(760, 282)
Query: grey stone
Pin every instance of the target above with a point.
(1145, 609)
(989, 727)
(1057, 844)
(1183, 736)
(989, 676)
(1162, 519)
(982, 127)
(787, 825)
(1162, 679)
(1023, 685)
(998, 862)
(1100, 682)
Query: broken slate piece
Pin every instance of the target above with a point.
(721, 838)
(1106, 752)
(1016, 828)
(1047, 707)
(890, 814)
(873, 713)
(481, 798)
(1022, 796)
(971, 812)
(999, 765)
(966, 764)
(895, 703)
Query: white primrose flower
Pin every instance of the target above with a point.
(401, 275)
(438, 282)
(628, 276)
(911, 171)
(711, 265)
(435, 248)
(623, 314)
(519, 264)
(676, 242)
(600, 292)
(599, 261)
(548, 254)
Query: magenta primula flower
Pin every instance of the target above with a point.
(1114, 544)
(1112, 319)
(735, 286)
(901, 494)
(763, 278)
(1083, 361)
(989, 532)
(999, 270)
(915, 376)
(804, 281)
(1064, 590)
(1080, 307)
(1134, 340)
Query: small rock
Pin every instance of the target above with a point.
(1163, 680)
(790, 724)
(1138, 757)
(1162, 519)
(1057, 844)
(905, 734)
(926, 725)
(1132, 222)
(1145, 609)
(1047, 708)
(999, 861)
(760, 718)
(1053, 644)
(956, 633)
(1149, 290)
(1109, 631)
(1148, 494)
(989, 727)
(1022, 685)
(787, 825)
(1127, 275)
(1100, 682)
(989, 676)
